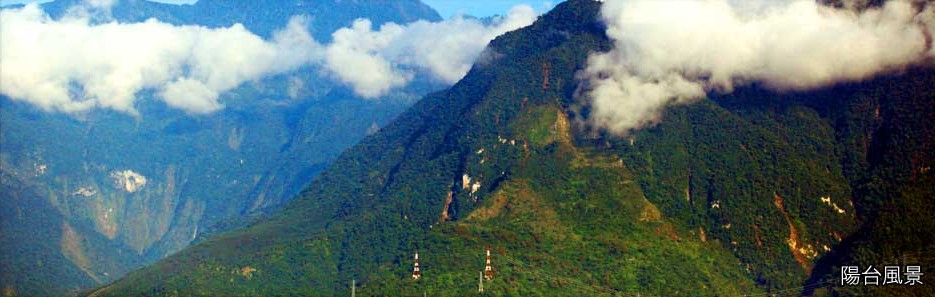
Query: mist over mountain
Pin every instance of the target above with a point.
(86, 59)
(263, 18)
(670, 52)
(132, 128)
(575, 154)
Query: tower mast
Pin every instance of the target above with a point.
(488, 269)
(480, 281)
(416, 274)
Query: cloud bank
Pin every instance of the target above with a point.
(373, 62)
(674, 52)
(71, 65)
(74, 64)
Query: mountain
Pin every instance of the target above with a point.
(130, 190)
(262, 18)
(339, 13)
(27, 225)
(748, 193)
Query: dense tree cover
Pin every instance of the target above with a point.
(205, 173)
(889, 144)
(736, 194)
(212, 173)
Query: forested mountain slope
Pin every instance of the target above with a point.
(742, 194)
(149, 185)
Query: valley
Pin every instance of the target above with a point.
(584, 153)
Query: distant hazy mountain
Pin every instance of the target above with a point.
(750, 193)
(90, 196)
(262, 17)
(40, 244)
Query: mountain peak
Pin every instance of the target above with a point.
(744, 193)
(260, 17)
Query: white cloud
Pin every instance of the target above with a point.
(72, 65)
(190, 94)
(673, 52)
(374, 62)
(77, 63)
(102, 3)
(353, 58)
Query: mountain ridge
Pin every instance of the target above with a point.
(747, 193)
(197, 174)
(743, 193)
(261, 18)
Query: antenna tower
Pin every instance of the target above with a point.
(416, 274)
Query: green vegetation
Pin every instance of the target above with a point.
(205, 174)
(889, 142)
(28, 221)
(737, 194)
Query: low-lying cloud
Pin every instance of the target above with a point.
(74, 64)
(373, 62)
(674, 52)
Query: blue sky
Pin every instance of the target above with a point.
(446, 8)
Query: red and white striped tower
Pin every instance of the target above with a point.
(488, 269)
(416, 274)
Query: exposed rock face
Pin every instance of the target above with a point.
(465, 182)
(802, 252)
(235, 138)
(85, 191)
(70, 245)
(247, 271)
(151, 185)
(448, 200)
(128, 180)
